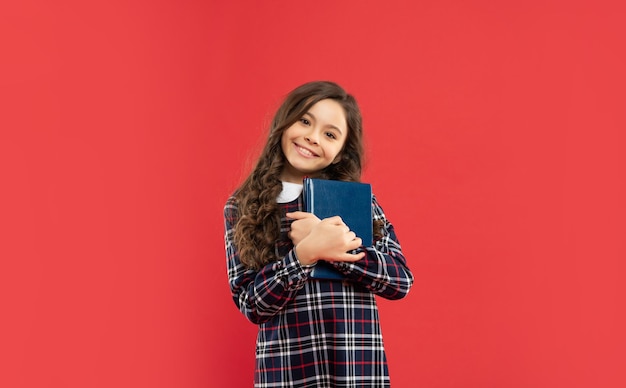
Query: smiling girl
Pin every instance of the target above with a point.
(312, 332)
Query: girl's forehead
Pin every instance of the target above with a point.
(328, 110)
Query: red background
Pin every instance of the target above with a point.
(495, 133)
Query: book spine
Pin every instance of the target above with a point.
(308, 195)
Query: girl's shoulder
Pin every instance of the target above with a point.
(230, 207)
(231, 200)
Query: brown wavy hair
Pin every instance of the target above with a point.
(258, 227)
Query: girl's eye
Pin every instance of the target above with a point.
(305, 121)
(331, 135)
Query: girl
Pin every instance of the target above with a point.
(312, 332)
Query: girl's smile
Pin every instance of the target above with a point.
(304, 151)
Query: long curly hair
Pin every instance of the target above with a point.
(258, 226)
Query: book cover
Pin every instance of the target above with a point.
(352, 201)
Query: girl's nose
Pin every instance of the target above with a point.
(312, 137)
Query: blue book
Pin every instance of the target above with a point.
(352, 201)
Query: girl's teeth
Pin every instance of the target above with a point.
(305, 151)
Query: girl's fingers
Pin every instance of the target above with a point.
(349, 257)
(300, 215)
(335, 220)
(353, 244)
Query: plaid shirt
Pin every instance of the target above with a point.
(318, 333)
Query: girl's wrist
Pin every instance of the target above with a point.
(304, 254)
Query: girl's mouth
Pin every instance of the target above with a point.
(305, 152)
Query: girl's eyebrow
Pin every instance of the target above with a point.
(329, 125)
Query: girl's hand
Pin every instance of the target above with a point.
(330, 239)
(302, 226)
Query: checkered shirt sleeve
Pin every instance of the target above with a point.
(383, 270)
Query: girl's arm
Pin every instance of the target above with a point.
(383, 270)
(261, 294)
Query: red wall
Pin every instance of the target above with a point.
(496, 143)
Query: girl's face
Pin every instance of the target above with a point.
(315, 141)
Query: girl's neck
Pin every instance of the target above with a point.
(288, 176)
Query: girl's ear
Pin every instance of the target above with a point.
(338, 158)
